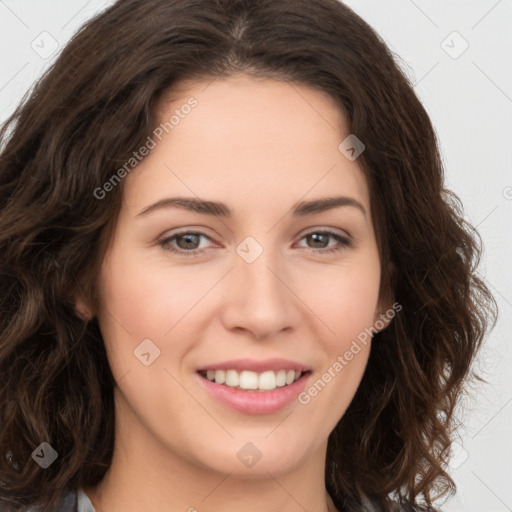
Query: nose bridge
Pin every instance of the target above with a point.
(257, 266)
(260, 301)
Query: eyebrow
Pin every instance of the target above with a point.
(300, 209)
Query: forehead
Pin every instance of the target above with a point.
(248, 142)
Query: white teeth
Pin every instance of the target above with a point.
(265, 381)
(281, 378)
(232, 378)
(248, 380)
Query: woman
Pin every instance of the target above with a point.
(172, 336)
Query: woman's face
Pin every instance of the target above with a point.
(274, 287)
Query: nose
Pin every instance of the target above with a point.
(260, 298)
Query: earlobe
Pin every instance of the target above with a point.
(384, 319)
(387, 307)
(82, 310)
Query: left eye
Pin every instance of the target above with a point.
(318, 237)
(187, 242)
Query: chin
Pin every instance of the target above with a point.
(254, 460)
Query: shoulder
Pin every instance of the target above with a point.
(73, 501)
(371, 506)
(410, 508)
(83, 502)
(68, 503)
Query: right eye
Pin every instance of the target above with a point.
(189, 238)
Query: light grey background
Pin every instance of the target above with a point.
(468, 94)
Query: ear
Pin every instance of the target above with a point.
(386, 308)
(82, 310)
(82, 306)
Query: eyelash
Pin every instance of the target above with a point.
(165, 243)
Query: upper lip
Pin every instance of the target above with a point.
(257, 366)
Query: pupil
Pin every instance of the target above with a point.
(188, 241)
(315, 237)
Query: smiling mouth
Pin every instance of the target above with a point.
(247, 380)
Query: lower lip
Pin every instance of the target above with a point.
(255, 402)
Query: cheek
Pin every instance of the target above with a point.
(145, 298)
(346, 299)
(348, 308)
(139, 302)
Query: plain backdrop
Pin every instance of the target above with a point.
(457, 54)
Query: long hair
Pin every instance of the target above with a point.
(83, 119)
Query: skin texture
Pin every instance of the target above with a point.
(259, 146)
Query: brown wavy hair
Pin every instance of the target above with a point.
(99, 102)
